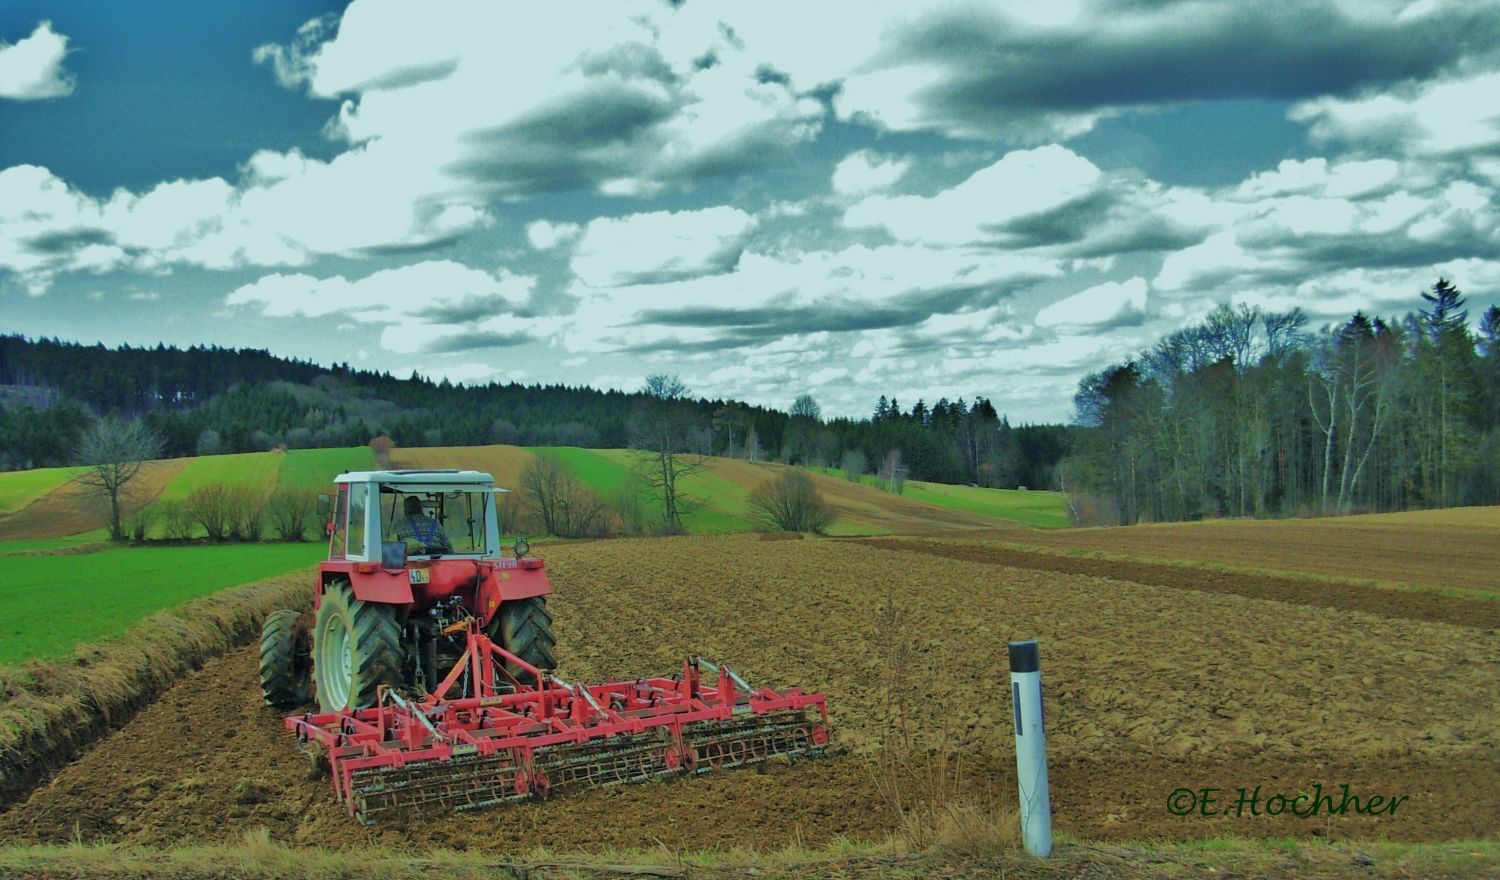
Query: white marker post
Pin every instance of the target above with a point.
(1031, 747)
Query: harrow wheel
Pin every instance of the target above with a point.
(356, 649)
(284, 660)
(524, 628)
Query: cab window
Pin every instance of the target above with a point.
(358, 495)
(340, 514)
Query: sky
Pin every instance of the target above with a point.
(917, 200)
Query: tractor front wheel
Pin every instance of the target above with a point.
(284, 660)
(524, 628)
(356, 649)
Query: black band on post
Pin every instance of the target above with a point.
(1024, 656)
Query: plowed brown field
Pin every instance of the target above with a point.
(1150, 688)
(504, 463)
(1457, 549)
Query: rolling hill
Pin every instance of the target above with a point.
(46, 505)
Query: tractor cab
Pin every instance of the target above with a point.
(388, 517)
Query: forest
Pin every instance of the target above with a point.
(206, 400)
(1253, 413)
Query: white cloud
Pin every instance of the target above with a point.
(545, 235)
(31, 69)
(1107, 304)
(616, 100)
(1021, 183)
(1445, 117)
(1286, 239)
(865, 172)
(286, 211)
(660, 246)
(780, 293)
(406, 294)
(1348, 179)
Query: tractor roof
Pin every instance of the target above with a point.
(445, 477)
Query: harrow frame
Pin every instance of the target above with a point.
(509, 740)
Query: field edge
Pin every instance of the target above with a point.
(258, 856)
(52, 711)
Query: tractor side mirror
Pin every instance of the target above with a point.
(324, 503)
(392, 554)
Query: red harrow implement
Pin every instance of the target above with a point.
(500, 739)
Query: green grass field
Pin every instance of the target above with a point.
(1046, 510)
(257, 469)
(720, 503)
(316, 468)
(26, 545)
(20, 488)
(602, 470)
(1043, 509)
(48, 604)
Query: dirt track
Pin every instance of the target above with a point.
(1396, 604)
(1455, 549)
(1150, 689)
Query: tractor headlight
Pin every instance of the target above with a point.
(522, 547)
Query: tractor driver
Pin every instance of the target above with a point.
(416, 526)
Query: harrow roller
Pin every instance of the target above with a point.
(509, 740)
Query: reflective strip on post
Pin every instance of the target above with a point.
(1031, 747)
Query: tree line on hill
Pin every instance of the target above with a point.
(1250, 413)
(206, 400)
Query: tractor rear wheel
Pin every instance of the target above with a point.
(356, 649)
(284, 660)
(524, 628)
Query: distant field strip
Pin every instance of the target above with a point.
(48, 604)
(1042, 509)
(256, 469)
(316, 468)
(20, 488)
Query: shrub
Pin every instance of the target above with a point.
(247, 508)
(211, 507)
(791, 503)
(291, 512)
(176, 520)
(139, 526)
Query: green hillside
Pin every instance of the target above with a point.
(20, 488)
(316, 468)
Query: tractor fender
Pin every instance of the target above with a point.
(508, 584)
(388, 586)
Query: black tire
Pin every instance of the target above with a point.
(285, 661)
(371, 636)
(524, 628)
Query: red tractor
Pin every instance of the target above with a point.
(431, 655)
(410, 554)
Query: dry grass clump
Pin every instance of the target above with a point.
(50, 711)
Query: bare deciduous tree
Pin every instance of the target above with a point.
(892, 473)
(564, 505)
(791, 503)
(114, 451)
(854, 465)
(662, 429)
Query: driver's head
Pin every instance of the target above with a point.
(413, 505)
